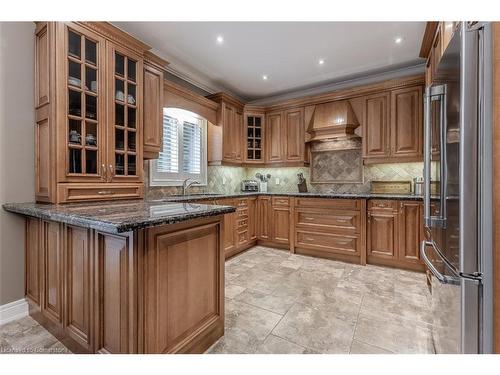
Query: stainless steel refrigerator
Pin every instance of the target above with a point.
(458, 193)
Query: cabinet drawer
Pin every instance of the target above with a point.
(340, 221)
(83, 192)
(327, 242)
(242, 202)
(242, 224)
(242, 213)
(242, 237)
(340, 204)
(281, 201)
(382, 204)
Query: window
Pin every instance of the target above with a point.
(184, 153)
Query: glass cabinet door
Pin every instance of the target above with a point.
(84, 144)
(126, 86)
(254, 129)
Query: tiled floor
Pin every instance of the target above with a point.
(282, 303)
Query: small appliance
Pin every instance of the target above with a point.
(249, 185)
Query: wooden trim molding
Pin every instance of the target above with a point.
(428, 38)
(222, 96)
(350, 93)
(177, 96)
(117, 35)
(150, 57)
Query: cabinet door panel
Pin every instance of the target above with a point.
(409, 231)
(252, 219)
(263, 218)
(238, 136)
(114, 295)
(294, 134)
(274, 138)
(52, 272)
(125, 138)
(78, 285)
(186, 298)
(82, 93)
(382, 239)
(33, 259)
(376, 126)
(228, 148)
(153, 111)
(281, 225)
(406, 122)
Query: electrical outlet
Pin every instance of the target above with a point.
(223, 180)
(277, 181)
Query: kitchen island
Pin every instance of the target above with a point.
(126, 277)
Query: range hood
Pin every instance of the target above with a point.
(331, 127)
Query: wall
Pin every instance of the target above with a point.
(222, 179)
(16, 149)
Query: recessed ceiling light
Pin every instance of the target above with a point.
(321, 61)
(264, 77)
(220, 39)
(398, 40)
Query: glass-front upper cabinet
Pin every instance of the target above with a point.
(254, 137)
(125, 161)
(85, 99)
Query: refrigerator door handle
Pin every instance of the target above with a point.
(443, 279)
(434, 93)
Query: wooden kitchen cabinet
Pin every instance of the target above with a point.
(393, 126)
(89, 112)
(407, 123)
(153, 290)
(394, 233)
(280, 230)
(376, 133)
(230, 120)
(255, 138)
(285, 137)
(294, 135)
(154, 69)
(264, 218)
(330, 228)
(275, 138)
(229, 227)
(252, 219)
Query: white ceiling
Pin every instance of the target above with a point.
(287, 52)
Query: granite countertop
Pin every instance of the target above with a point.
(177, 198)
(118, 216)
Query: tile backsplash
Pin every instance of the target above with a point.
(225, 179)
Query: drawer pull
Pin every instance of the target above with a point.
(105, 192)
(309, 218)
(342, 220)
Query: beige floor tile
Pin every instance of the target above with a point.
(399, 337)
(232, 290)
(318, 329)
(359, 347)
(277, 345)
(277, 304)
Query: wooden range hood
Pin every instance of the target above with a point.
(332, 125)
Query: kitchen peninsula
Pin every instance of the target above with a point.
(126, 277)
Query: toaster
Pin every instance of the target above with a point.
(249, 185)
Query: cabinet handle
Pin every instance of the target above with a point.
(342, 220)
(309, 218)
(105, 192)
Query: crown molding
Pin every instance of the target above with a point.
(276, 100)
(191, 81)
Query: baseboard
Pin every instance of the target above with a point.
(13, 310)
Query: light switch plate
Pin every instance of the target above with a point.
(223, 180)
(277, 181)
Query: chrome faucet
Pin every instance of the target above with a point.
(186, 185)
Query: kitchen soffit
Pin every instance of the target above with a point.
(286, 52)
